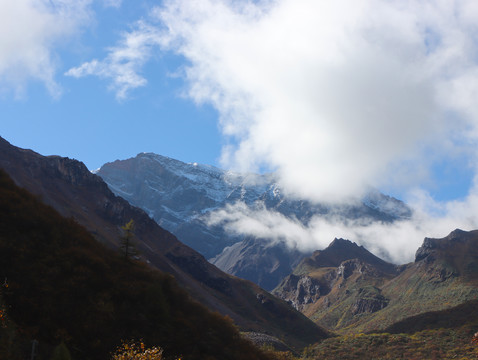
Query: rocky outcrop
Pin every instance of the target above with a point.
(349, 267)
(369, 302)
(431, 248)
(301, 290)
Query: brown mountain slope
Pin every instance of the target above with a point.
(70, 188)
(363, 294)
(338, 286)
(445, 334)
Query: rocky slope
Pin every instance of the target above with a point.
(71, 189)
(180, 196)
(258, 260)
(348, 289)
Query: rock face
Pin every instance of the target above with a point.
(432, 247)
(368, 303)
(181, 196)
(342, 264)
(302, 290)
(262, 262)
(71, 189)
(347, 289)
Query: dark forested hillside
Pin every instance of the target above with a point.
(71, 189)
(61, 286)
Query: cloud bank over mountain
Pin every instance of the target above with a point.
(333, 96)
(396, 242)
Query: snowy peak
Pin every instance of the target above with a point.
(178, 195)
(386, 204)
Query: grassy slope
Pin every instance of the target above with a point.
(442, 334)
(414, 292)
(65, 286)
(427, 344)
(411, 293)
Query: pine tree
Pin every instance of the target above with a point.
(127, 246)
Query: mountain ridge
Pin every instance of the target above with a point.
(69, 187)
(363, 294)
(181, 196)
(61, 286)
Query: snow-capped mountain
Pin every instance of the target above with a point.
(179, 196)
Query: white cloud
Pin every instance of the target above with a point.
(29, 32)
(123, 64)
(331, 94)
(396, 242)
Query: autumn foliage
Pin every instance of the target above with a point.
(137, 351)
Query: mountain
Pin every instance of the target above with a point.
(63, 288)
(347, 289)
(181, 196)
(259, 260)
(177, 195)
(339, 251)
(339, 285)
(69, 187)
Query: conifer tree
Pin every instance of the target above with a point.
(127, 246)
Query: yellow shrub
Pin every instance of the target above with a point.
(135, 351)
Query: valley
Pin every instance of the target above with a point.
(338, 302)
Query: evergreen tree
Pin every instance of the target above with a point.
(127, 246)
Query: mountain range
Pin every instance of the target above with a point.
(181, 197)
(344, 287)
(347, 289)
(60, 239)
(69, 187)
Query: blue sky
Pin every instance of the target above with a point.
(334, 97)
(87, 122)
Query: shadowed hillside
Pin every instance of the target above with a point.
(71, 189)
(63, 286)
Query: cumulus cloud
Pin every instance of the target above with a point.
(123, 64)
(336, 96)
(29, 32)
(332, 95)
